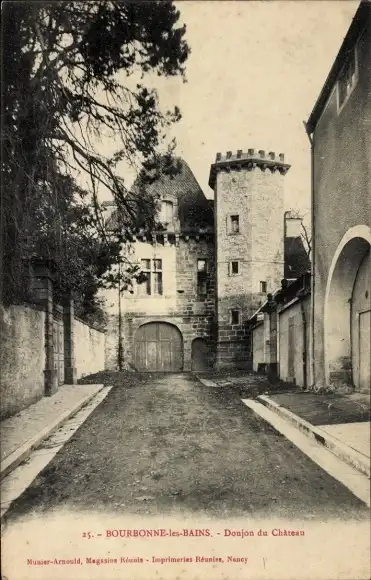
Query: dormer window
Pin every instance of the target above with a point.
(167, 212)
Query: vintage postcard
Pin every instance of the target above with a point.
(186, 290)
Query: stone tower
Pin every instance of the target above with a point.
(249, 234)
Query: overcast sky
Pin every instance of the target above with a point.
(254, 74)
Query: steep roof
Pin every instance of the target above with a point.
(194, 210)
(296, 261)
(358, 23)
(299, 288)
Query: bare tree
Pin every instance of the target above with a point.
(74, 72)
(305, 230)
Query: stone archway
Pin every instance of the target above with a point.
(158, 347)
(338, 315)
(361, 326)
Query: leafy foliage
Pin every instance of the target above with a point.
(63, 91)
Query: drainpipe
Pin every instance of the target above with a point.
(312, 277)
(286, 213)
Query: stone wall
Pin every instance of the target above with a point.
(89, 349)
(22, 357)
(254, 192)
(274, 351)
(43, 345)
(342, 185)
(111, 346)
(185, 284)
(293, 315)
(258, 347)
(178, 305)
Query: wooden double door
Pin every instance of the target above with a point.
(158, 347)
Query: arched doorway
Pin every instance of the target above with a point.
(347, 312)
(158, 347)
(361, 326)
(200, 355)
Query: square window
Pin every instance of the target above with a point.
(263, 286)
(234, 268)
(201, 265)
(157, 283)
(235, 224)
(144, 289)
(152, 270)
(235, 317)
(201, 279)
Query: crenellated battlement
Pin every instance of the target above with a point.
(250, 160)
(251, 153)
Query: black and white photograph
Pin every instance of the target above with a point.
(185, 290)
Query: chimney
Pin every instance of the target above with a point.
(293, 227)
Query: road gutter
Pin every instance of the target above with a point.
(351, 478)
(25, 450)
(347, 454)
(39, 457)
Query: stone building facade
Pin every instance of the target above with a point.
(339, 129)
(167, 322)
(208, 269)
(281, 333)
(249, 243)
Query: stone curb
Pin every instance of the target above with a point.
(206, 382)
(23, 452)
(341, 450)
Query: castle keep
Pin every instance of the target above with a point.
(207, 270)
(249, 244)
